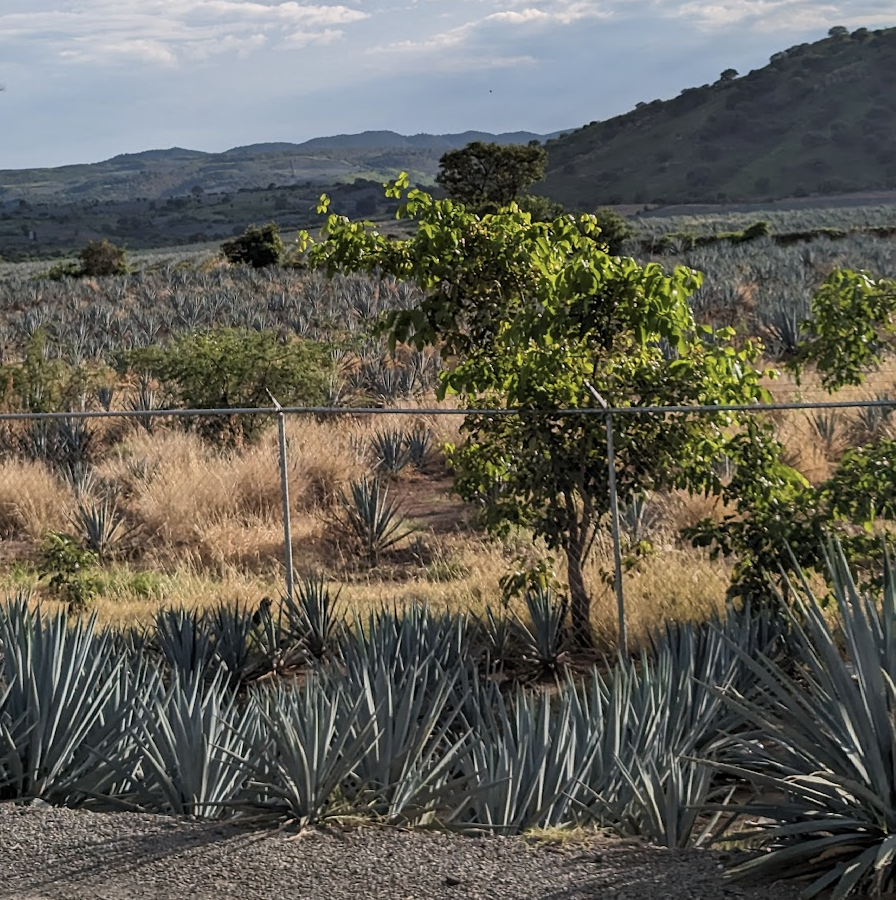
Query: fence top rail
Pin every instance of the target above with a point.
(439, 411)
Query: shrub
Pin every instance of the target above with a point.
(256, 247)
(69, 570)
(101, 258)
(230, 367)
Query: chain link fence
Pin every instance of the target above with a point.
(363, 495)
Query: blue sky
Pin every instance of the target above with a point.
(88, 79)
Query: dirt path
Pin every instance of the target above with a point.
(59, 854)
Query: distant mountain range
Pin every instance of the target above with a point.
(160, 174)
(820, 118)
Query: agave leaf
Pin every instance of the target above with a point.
(60, 681)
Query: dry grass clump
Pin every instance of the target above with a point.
(33, 500)
(673, 585)
(227, 507)
(324, 456)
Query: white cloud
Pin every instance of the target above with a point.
(774, 16)
(491, 38)
(300, 39)
(169, 32)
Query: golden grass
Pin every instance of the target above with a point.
(33, 500)
(208, 524)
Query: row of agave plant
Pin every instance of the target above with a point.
(759, 285)
(772, 727)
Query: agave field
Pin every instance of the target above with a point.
(395, 685)
(768, 727)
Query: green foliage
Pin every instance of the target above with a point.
(542, 209)
(256, 247)
(779, 521)
(237, 368)
(850, 328)
(485, 177)
(40, 384)
(102, 258)
(531, 316)
(688, 241)
(615, 229)
(69, 570)
(67, 269)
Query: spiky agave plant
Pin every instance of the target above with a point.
(821, 748)
(390, 451)
(543, 634)
(304, 746)
(184, 637)
(406, 772)
(187, 749)
(312, 615)
(58, 689)
(524, 764)
(373, 520)
(653, 717)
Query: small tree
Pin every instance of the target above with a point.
(779, 521)
(728, 75)
(256, 247)
(485, 177)
(230, 367)
(100, 258)
(532, 316)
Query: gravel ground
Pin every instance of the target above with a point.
(62, 854)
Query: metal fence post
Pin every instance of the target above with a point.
(284, 493)
(614, 520)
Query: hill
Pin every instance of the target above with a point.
(162, 174)
(820, 118)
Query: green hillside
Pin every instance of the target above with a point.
(818, 119)
(163, 174)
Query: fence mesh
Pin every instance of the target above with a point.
(175, 511)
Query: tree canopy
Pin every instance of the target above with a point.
(485, 177)
(529, 316)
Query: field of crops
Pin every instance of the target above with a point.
(402, 681)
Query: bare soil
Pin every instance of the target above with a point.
(62, 854)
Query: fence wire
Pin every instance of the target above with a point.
(164, 487)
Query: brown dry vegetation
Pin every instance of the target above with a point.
(204, 525)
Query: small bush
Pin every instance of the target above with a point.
(256, 247)
(230, 367)
(100, 258)
(69, 569)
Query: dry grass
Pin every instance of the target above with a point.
(33, 500)
(209, 524)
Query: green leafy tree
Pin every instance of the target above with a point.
(485, 177)
(779, 522)
(531, 316)
(101, 258)
(852, 327)
(236, 368)
(258, 247)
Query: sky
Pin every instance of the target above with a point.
(88, 79)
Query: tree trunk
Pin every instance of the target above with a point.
(579, 598)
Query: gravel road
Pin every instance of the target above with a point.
(61, 854)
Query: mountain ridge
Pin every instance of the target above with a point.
(158, 174)
(819, 118)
